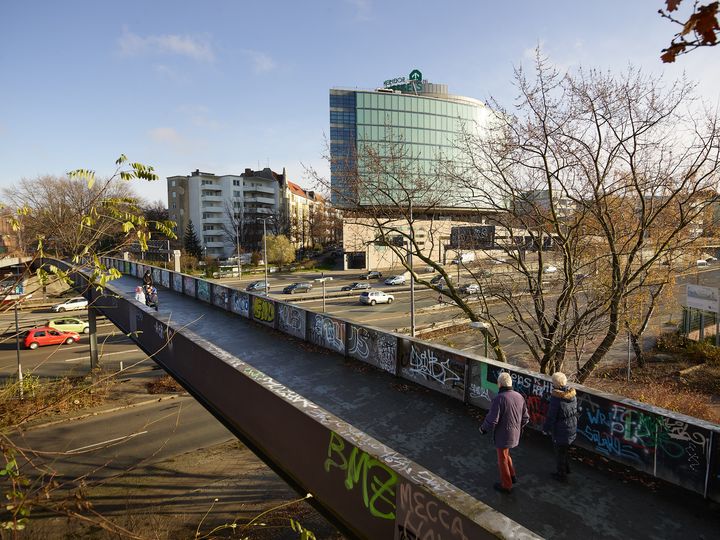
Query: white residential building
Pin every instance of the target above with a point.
(225, 207)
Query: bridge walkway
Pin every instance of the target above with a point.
(442, 434)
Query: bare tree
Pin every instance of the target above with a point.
(602, 177)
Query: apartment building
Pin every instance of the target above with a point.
(227, 208)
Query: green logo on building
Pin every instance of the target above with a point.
(415, 75)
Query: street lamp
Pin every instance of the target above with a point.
(485, 329)
(237, 240)
(322, 280)
(265, 259)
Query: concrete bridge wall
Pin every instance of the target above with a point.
(682, 450)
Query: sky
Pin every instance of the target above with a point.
(224, 85)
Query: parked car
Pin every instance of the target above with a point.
(395, 280)
(376, 297)
(550, 269)
(258, 286)
(69, 324)
(358, 285)
(372, 274)
(437, 279)
(298, 288)
(44, 335)
(470, 288)
(485, 273)
(70, 304)
(711, 259)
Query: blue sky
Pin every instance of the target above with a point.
(222, 85)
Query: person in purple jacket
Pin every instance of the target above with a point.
(507, 416)
(561, 423)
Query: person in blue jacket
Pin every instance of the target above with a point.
(561, 423)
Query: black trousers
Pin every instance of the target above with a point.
(561, 458)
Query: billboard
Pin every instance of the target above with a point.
(705, 298)
(473, 237)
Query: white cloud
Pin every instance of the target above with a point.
(262, 62)
(197, 49)
(165, 134)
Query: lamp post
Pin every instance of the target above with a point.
(265, 259)
(322, 280)
(237, 247)
(410, 245)
(17, 345)
(485, 329)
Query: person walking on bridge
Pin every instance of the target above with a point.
(507, 416)
(561, 423)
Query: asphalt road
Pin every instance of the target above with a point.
(63, 360)
(104, 445)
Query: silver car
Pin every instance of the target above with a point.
(376, 297)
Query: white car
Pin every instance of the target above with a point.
(71, 304)
(550, 269)
(395, 280)
(376, 297)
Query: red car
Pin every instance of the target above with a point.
(44, 335)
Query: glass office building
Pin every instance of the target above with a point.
(419, 121)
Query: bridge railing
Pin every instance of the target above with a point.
(682, 450)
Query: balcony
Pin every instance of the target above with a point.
(259, 211)
(261, 200)
(259, 189)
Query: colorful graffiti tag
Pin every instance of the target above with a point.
(240, 303)
(263, 310)
(189, 284)
(203, 290)
(374, 481)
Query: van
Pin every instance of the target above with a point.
(701, 262)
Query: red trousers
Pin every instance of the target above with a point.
(505, 466)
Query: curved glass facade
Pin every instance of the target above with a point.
(376, 123)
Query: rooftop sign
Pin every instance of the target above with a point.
(412, 83)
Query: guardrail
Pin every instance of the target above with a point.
(682, 450)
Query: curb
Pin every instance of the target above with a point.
(104, 411)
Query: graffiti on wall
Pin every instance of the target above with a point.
(373, 481)
(421, 515)
(434, 368)
(203, 290)
(660, 445)
(291, 320)
(263, 310)
(327, 332)
(373, 347)
(133, 269)
(189, 284)
(221, 296)
(177, 282)
(157, 277)
(165, 278)
(240, 303)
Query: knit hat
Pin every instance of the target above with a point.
(504, 380)
(559, 379)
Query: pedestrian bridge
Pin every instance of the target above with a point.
(382, 429)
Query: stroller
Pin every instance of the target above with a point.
(151, 297)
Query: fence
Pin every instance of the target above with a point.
(677, 448)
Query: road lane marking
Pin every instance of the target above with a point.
(105, 443)
(103, 355)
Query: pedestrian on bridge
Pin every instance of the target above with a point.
(561, 423)
(507, 416)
